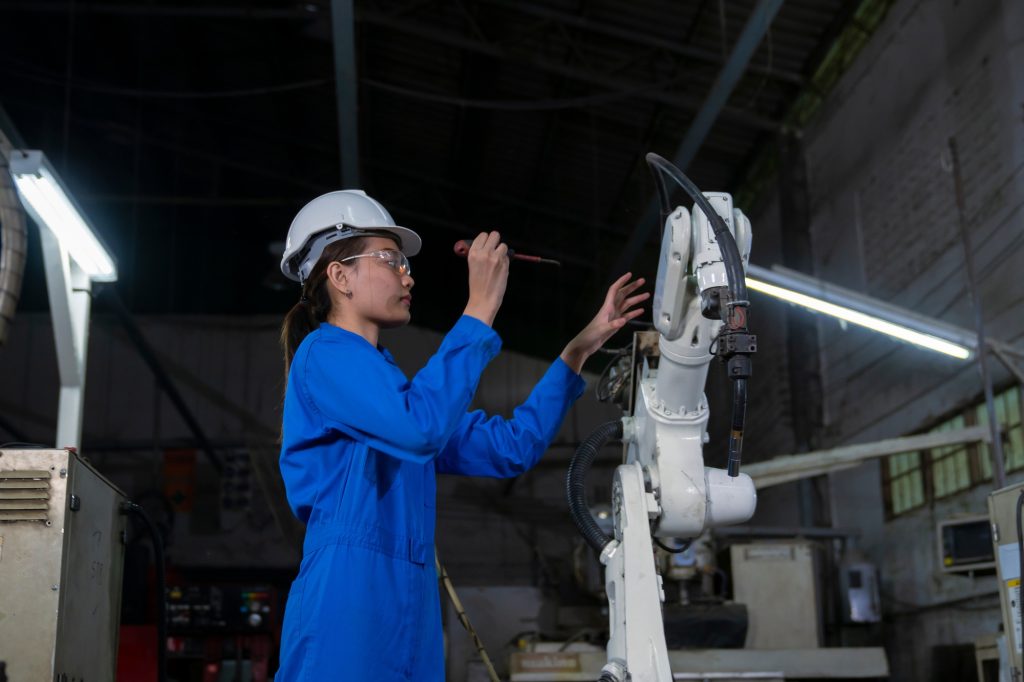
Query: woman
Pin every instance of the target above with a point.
(361, 443)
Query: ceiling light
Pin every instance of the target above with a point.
(50, 205)
(861, 310)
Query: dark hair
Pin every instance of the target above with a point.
(308, 313)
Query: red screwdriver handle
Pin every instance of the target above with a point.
(462, 249)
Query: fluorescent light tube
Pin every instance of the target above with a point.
(52, 208)
(862, 319)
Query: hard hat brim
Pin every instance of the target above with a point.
(409, 243)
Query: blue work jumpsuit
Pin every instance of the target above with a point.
(361, 447)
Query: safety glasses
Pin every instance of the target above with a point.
(395, 260)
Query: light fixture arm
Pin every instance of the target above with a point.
(74, 257)
(70, 294)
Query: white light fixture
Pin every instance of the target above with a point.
(861, 310)
(52, 208)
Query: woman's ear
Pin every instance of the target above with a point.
(338, 278)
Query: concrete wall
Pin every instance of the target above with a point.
(884, 221)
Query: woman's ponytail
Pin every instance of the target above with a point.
(297, 324)
(315, 304)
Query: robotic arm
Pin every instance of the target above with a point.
(663, 490)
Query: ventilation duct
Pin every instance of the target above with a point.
(13, 242)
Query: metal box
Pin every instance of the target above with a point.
(61, 559)
(1002, 509)
(862, 601)
(778, 583)
(965, 544)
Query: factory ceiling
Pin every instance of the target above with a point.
(191, 132)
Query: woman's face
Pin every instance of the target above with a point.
(380, 294)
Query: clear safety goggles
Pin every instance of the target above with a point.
(395, 260)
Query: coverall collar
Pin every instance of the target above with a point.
(337, 332)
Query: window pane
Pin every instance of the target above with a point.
(897, 496)
(1000, 401)
(917, 489)
(905, 463)
(1014, 449)
(1013, 406)
(906, 488)
(939, 477)
(985, 458)
(949, 465)
(902, 463)
(963, 470)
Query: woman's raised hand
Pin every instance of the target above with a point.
(618, 309)
(488, 276)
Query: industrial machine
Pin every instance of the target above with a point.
(664, 491)
(61, 555)
(221, 631)
(778, 583)
(1005, 510)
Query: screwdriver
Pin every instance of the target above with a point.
(462, 249)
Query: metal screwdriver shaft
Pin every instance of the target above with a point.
(462, 250)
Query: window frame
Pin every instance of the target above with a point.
(975, 453)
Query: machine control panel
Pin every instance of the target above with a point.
(221, 608)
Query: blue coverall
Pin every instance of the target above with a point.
(361, 447)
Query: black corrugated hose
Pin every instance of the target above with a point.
(161, 582)
(575, 483)
(736, 343)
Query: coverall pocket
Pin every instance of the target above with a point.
(362, 606)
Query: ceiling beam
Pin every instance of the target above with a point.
(347, 87)
(441, 36)
(675, 47)
(749, 40)
(656, 94)
(312, 11)
(306, 11)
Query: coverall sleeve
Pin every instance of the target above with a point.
(502, 448)
(358, 392)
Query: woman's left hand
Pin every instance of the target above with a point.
(618, 309)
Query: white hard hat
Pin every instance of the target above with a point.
(339, 215)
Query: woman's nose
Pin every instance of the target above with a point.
(408, 282)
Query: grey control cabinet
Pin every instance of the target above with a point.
(1002, 508)
(61, 559)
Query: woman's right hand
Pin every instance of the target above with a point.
(488, 276)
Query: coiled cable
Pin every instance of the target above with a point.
(576, 483)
